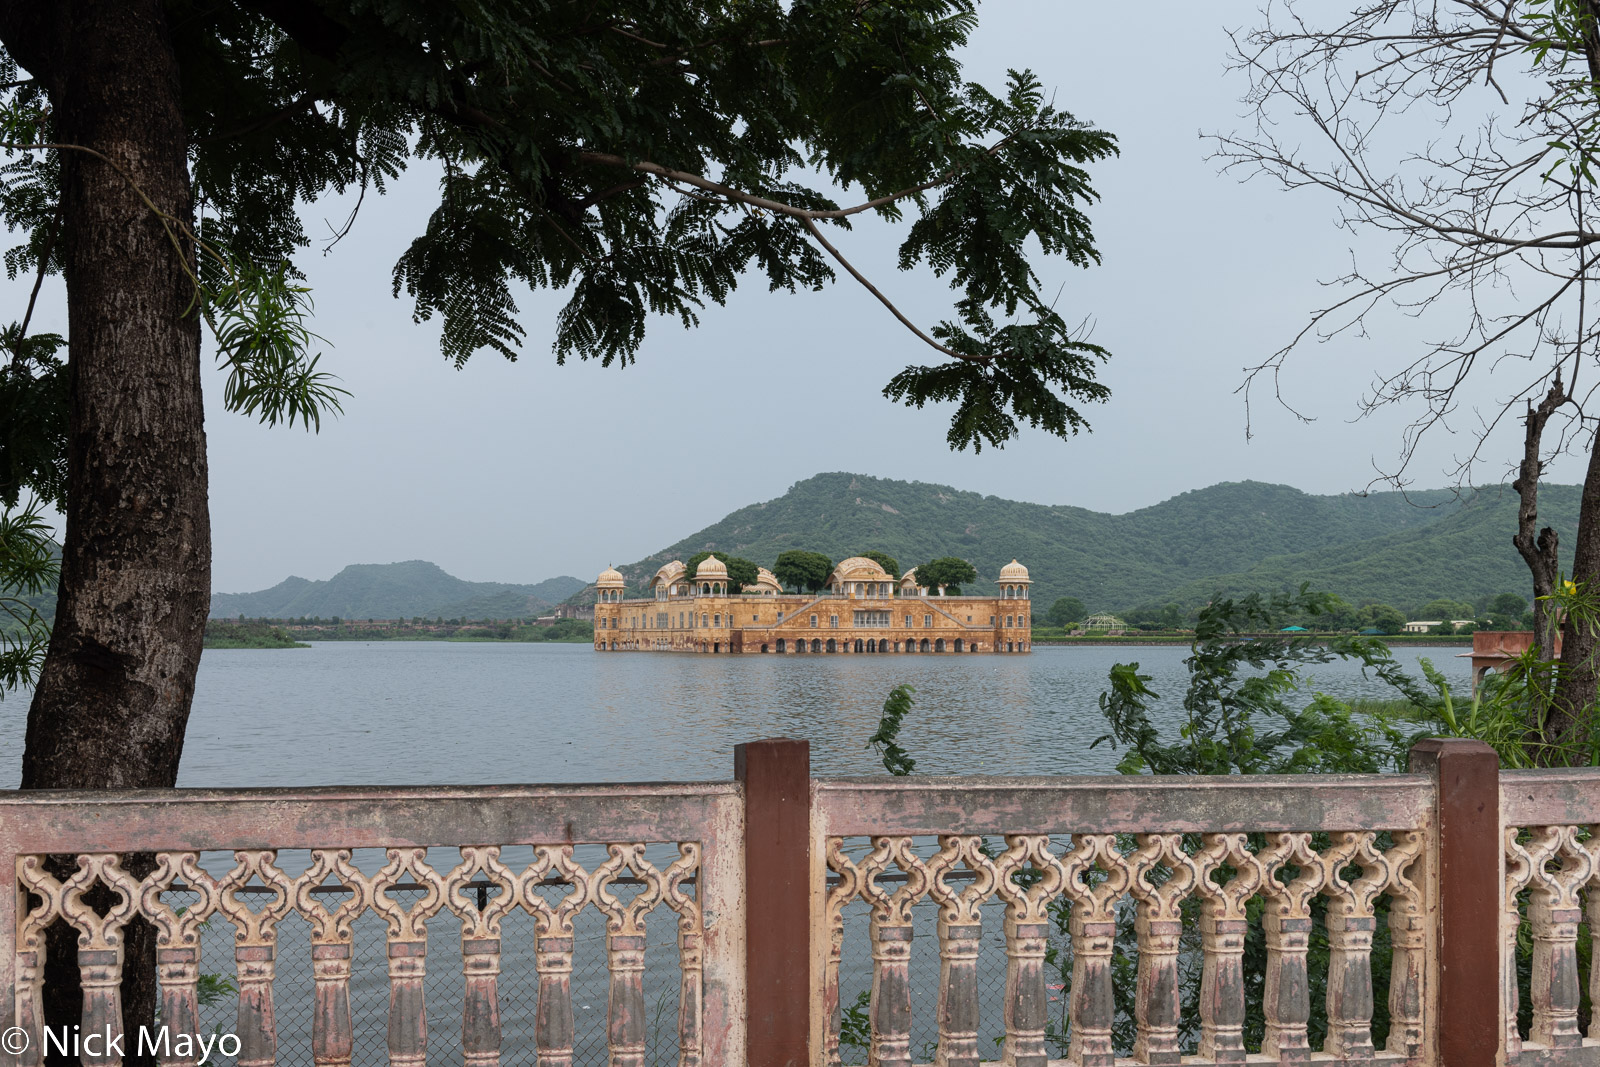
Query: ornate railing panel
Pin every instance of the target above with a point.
(1552, 888)
(1030, 921)
(463, 897)
(1147, 861)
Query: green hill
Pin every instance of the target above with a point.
(1464, 555)
(394, 591)
(1235, 536)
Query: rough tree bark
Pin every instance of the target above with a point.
(1578, 686)
(1538, 548)
(113, 696)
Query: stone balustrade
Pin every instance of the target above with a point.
(1135, 919)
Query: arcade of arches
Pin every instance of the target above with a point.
(862, 611)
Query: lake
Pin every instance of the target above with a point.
(443, 712)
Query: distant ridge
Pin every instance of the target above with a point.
(395, 591)
(1232, 537)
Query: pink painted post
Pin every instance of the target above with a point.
(1468, 879)
(777, 831)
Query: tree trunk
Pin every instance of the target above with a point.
(1572, 710)
(1538, 548)
(113, 696)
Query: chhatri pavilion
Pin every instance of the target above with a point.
(863, 609)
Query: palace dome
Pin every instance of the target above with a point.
(1014, 572)
(711, 567)
(610, 578)
(860, 567)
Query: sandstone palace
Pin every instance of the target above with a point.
(862, 610)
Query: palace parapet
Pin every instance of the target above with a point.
(863, 609)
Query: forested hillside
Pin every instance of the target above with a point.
(1235, 536)
(395, 591)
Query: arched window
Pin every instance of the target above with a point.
(938, 646)
(816, 645)
(924, 645)
(782, 646)
(860, 646)
(763, 648)
(716, 620)
(832, 647)
(958, 645)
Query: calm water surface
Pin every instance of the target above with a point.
(437, 712)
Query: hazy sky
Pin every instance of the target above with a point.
(517, 472)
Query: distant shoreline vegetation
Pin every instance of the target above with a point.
(248, 634)
(298, 631)
(1051, 636)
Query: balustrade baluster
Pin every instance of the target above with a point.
(1026, 1004)
(891, 994)
(1222, 933)
(1286, 1000)
(255, 942)
(553, 939)
(1351, 922)
(1158, 925)
(178, 948)
(960, 930)
(332, 942)
(1408, 936)
(691, 950)
(1554, 909)
(890, 934)
(480, 948)
(1519, 872)
(839, 896)
(1156, 1007)
(407, 950)
(625, 941)
(30, 951)
(100, 952)
(958, 994)
(1027, 930)
(1093, 928)
(1350, 985)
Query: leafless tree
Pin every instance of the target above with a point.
(1465, 134)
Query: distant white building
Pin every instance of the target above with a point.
(1422, 626)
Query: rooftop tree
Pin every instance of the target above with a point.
(890, 565)
(947, 574)
(799, 569)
